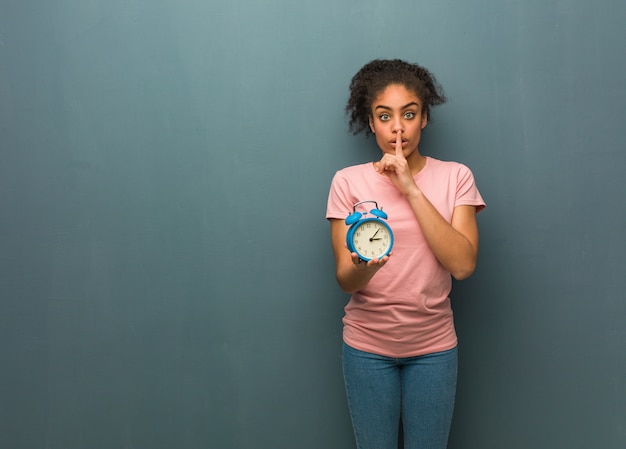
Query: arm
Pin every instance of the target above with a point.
(352, 274)
(454, 244)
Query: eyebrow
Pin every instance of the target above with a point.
(413, 103)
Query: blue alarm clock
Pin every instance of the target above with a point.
(369, 237)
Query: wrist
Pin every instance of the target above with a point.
(413, 193)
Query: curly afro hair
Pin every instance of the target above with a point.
(375, 76)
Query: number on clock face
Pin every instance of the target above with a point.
(371, 239)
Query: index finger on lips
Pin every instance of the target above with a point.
(399, 144)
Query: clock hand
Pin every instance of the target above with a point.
(372, 237)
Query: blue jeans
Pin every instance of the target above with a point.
(381, 391)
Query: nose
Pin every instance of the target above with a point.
(397, 126)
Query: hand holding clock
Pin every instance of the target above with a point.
(369, 239)
(371, 265)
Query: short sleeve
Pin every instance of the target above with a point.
(339, 204)
(467, 193)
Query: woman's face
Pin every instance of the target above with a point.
(397, 109)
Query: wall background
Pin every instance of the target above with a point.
(166, 275)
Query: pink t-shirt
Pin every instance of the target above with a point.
(404, 310)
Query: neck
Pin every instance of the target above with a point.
(416, 163)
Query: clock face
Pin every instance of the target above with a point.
(371, 239)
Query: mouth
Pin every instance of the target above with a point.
(404, 143)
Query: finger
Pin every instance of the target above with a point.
(399, 144)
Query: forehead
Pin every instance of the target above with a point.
(396, 95)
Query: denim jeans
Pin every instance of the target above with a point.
(381, 391)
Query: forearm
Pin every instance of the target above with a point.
(457, 251)
(352, 278)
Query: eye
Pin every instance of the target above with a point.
(384, 117)
(409, 115)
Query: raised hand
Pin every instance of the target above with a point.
(396, 167)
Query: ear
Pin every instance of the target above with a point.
(371, 120)
(424, 120)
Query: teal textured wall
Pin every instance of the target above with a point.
(166, 277)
